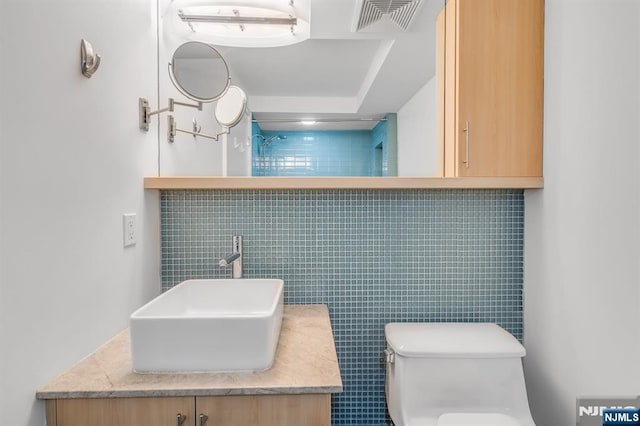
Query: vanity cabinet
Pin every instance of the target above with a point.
(103, 389)
(241, 410)
(492, 90)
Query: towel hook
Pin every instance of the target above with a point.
(89, 60)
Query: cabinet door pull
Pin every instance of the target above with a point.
(467, 130)
(203, 419)
(180, 419)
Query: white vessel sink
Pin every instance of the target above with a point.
(209, 325)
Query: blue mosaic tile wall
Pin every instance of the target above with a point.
(372, 256)
(314, 153)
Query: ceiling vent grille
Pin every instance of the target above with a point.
(374, 14)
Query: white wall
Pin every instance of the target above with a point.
(417, 133)
(3, 323)
(239, 148)
(72, 161)
(582, 279)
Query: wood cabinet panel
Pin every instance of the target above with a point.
(266, 410)
(124, 411)
(494, 88)
(243, 410)
(266, 183)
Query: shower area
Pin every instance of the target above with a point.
(325, 152)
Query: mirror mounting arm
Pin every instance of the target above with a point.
(172, 130)
(145, 113)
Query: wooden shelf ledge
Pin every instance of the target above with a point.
(218, 182)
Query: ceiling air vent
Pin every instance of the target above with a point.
(385, 15)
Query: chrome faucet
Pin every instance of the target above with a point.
(235, 258)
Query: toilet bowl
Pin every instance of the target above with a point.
(477, 419)
(454, 374)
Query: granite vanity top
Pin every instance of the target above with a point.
(305, 362)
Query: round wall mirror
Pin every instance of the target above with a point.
(199, 72)
(231, 107)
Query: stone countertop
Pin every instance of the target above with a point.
(305, 362)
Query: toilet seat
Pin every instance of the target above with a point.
(477, 419)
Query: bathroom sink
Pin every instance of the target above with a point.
(209, 325)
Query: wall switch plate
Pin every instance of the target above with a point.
(129, 229)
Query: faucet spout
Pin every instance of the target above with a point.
(229, 260)
(235, 258)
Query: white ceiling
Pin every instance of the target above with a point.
(303, 69)
(337, 71)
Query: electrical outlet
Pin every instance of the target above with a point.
(129, 229)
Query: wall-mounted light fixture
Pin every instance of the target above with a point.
(240, 23)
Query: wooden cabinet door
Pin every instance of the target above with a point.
(124, 412)
(499, 87)
(265, 410)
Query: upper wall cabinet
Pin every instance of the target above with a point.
(492, 88)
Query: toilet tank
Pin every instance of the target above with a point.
(438, 368)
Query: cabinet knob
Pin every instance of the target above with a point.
(203, 419)
(180, 419)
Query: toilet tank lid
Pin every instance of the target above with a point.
(452, 340)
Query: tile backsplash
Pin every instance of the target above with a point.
(373, 256)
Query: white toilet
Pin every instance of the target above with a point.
(455, 374)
